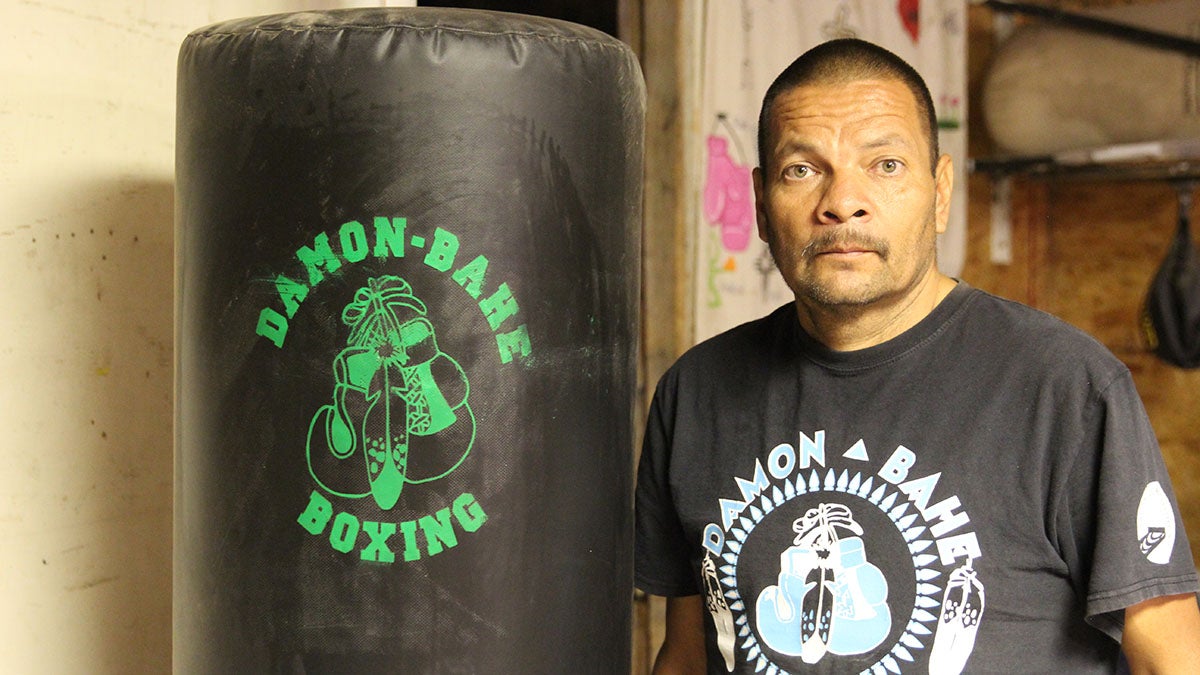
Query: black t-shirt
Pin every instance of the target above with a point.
(963, 496)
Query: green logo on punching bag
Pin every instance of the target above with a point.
(398, 413)
(392, 385)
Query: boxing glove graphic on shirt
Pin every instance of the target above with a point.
(392, 386)
(829, 598)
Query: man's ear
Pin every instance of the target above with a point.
(760, 209)
(943, 189)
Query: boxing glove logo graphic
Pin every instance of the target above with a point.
(728, 201)
(829, 598)
(392, 384)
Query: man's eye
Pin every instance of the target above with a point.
(796, 171)
(889, 166)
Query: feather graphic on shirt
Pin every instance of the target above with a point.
(1156, 524)
(962, 609)
(722, 617)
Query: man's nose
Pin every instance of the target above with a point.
(844, 198)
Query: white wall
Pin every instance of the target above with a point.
(87, 106)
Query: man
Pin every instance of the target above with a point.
(899, 473)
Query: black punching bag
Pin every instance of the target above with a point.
(407, 292)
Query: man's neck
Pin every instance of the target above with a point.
(846, 329)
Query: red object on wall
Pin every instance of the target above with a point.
(910, 15)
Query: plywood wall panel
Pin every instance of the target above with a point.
(1013, 280)
(1104, 241)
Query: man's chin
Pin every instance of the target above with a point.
(840, 291)
(834, 299)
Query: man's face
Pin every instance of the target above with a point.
(847, 201)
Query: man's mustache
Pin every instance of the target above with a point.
(845, 240)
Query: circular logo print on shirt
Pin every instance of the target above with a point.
(814, 566)
(1156, 525)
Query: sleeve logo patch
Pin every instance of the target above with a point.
(1156, 525)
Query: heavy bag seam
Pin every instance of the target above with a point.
(621, 47)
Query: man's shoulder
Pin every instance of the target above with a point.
(1035, 336)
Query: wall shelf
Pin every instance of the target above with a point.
(1176, 163)
(1047, 168)
(1169, 160)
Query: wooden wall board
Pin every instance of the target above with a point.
(660, 39)
(1014, 280)
(1105, 241)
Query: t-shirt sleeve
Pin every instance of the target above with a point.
(1126, 536)
(661, 552)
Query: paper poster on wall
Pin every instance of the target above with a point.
(746, 44)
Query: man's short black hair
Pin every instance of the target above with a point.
(848, 60)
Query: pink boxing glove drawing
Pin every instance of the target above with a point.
(728, 195)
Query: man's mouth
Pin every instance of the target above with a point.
(844, 251)
(844, 245)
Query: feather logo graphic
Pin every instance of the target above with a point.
(1156, 524)
(392, 384)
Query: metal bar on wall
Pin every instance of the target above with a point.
(1149, 38)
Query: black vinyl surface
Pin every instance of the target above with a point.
(407, 294)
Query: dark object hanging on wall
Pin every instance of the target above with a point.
(407, 301)
(1171, 318)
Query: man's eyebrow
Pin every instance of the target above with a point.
(794, 146)
(887, 141)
